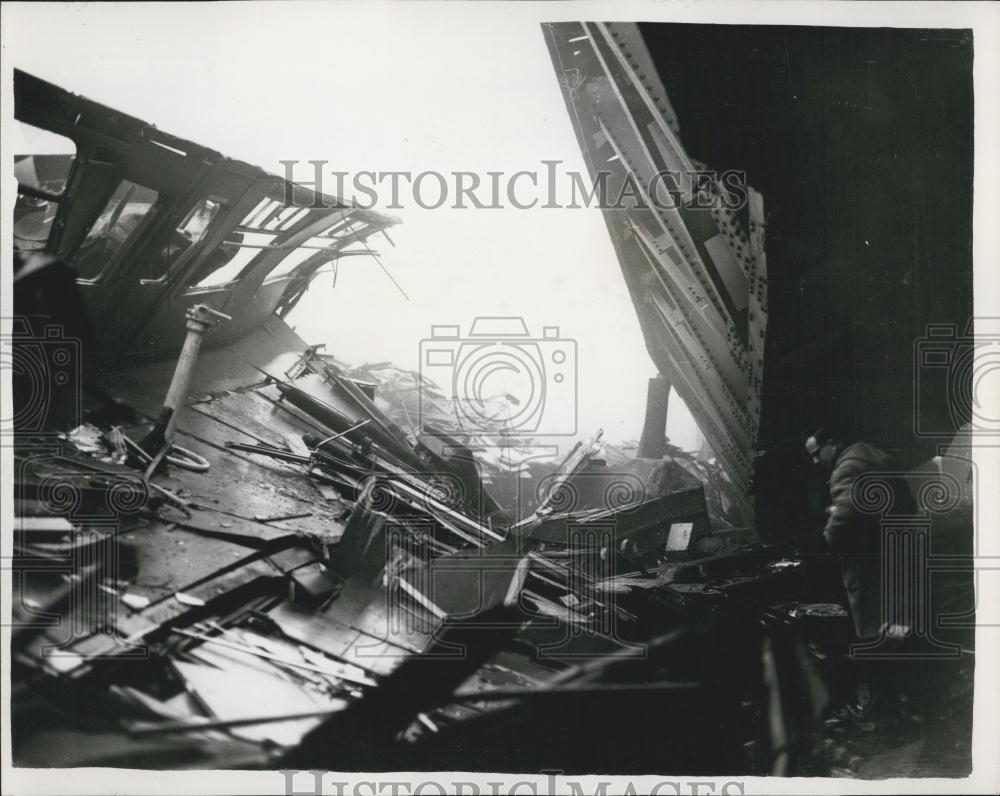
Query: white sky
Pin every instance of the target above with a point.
(395, 89)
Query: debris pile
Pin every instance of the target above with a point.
(239, 552)
(349, 573)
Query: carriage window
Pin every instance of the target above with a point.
(117, 223)
(188, 233)
(257, 232)
(196, 225)
(42, 168)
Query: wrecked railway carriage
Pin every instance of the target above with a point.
(228, 555)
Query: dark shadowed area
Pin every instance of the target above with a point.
(861, 141)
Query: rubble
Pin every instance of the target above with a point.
(333, 575)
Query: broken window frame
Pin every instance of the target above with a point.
(174, 264)
(53, 200)
(130, 239)
(271, 217)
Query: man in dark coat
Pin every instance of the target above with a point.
(853, 534)
(854, 531)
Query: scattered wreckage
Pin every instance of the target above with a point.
(233, 550)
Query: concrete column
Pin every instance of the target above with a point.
(654, 429)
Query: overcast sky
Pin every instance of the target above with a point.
(377, 88)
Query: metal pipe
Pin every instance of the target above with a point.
(201, 319)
